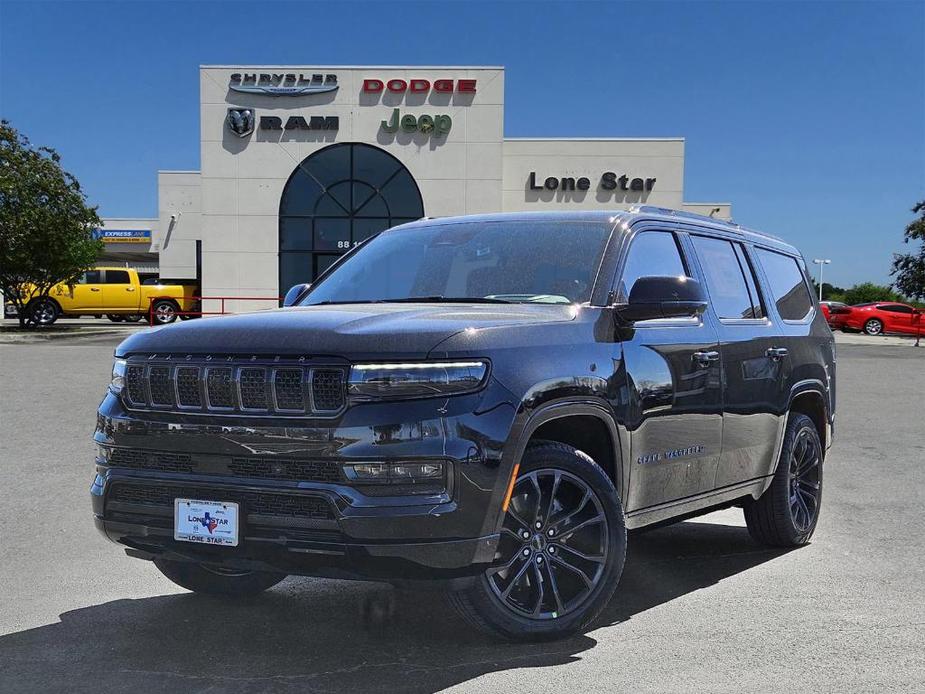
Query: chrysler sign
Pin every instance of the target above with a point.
(282, 84)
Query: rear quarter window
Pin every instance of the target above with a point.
(786, 284)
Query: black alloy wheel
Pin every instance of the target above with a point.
(787, 513)
(553, 547)
(43, 311)
(560, 553)
(805, 480)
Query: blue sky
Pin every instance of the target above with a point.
(808, 117)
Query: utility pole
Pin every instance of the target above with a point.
(820, 262)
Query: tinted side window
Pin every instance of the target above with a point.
(749, 271)
(786, 284)
(91, 277)
(653, 253)
(117, 277)
(724, 274)
(896, 308)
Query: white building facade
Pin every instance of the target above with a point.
(298, 164)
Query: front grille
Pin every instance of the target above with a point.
(254, 388)
(220, 388)
(253, 467)
(255, 503)
(327, 389)
(289, 391)
(293, 470)
(151, 460)
(160, 385)
(135, 385)
(226, 387)
(188, 393)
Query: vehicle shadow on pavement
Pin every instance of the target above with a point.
(308, 634)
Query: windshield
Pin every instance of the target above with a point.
(538, 262)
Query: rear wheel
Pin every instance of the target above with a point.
(115, 318)
(163, 312)
(873, 327)
(561, 552)
(43, 311)
(787, 513)
(214, 580)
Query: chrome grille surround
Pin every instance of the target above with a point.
(240, 386)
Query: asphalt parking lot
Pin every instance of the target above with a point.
(700, 607)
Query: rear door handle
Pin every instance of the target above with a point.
(130, 289)
(704, 359)
(94, 289)
(776, 353)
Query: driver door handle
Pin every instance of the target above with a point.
(704, 359)
(94, 289)
(776, 353)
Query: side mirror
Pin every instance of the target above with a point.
(663, 297)
(296, 294)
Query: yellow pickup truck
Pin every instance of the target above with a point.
(118, 293)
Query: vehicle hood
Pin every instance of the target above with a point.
(349, 330)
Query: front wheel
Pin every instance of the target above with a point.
(214, 580)
(873, 327)
(561, 552)
(787, 513)
(43, 311)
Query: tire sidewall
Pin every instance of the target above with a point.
(155, 320)
(36, 305)
(512, 625)
(797, 424)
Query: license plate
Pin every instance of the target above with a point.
(206, 522)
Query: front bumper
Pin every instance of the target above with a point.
(311, 527)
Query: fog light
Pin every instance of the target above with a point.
(103, 453)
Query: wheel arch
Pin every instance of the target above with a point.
(809, 398)
(585, 424)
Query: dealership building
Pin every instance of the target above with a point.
(298, 164)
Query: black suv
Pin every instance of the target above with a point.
(488, 401)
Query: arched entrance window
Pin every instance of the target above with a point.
(334, 199)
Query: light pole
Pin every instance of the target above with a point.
(820, 262)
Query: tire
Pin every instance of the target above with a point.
(787, 513)
(201, 578)
(43, 311)
(874, 327)
(508, 600)
(115, 318)
(163, 312)
(132, 317)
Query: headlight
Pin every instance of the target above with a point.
(415, 380)
(118, 376)
(395, 473)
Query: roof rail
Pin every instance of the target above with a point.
(652, 209)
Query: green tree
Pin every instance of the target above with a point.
(46, 226)
(909, 268)
(867, 292)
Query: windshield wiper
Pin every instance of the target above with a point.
(439, 299)
(435, 299)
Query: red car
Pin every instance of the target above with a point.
(835, 313)
(886, 317)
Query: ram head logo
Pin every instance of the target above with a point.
(241, 121)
